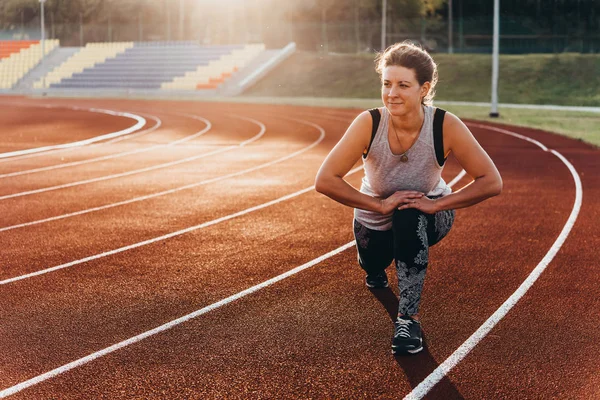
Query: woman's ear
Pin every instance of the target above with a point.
(425, 89)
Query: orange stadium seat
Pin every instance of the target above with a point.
(207, 86)
(8, 47)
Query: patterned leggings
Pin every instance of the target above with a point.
(408, 242)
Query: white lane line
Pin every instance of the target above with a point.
(91, 160)
(141, 121)
(157, 194)
(50, 106)
(84, 360)
(127, 173)
(177, 189)
(457, 178)
(190, 229)
(77, 363)
(438, 374)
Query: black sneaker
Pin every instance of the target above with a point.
(377, 281)
(407, 336)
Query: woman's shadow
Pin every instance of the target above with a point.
(417, 366)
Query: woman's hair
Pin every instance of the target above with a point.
(412, 56)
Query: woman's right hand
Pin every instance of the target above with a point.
(397, 199)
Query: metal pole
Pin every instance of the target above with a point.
(324, 30)
(43, 39)
(356, 27)
(180, 19)
(383, 23)
(461, 36)
(140, 28)
(80, 29)
(495, 59)
(450, 48)
(109, 27)
(231, 26)
(291, 21)
(168, 14)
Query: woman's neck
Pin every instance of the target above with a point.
(409, 123)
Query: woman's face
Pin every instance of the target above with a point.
(400, 90)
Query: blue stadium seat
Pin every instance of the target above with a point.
(147, 65)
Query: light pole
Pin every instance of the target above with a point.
(181, 20)
(495, 59)
(383, 23)
(450, 28)
(43, 40)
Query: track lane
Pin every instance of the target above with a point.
(81, 155)
(182, 156)
(306, 245)
(25, 133)
(296, 167)
(111, 230)
(44, 205)
(546, 346)
(93, 173)
(219, 252)
(156, 373)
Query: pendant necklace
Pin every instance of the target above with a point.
(403, 157)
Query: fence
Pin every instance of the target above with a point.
(517, 35)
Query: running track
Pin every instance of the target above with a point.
(318, 333)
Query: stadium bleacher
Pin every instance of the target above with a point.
(150, 65)
(18, 57)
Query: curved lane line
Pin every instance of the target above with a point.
(117, 139)
(91, 160)
(128, 173)
(438, 374)
(84, 360)
(189, 229)
(140, 123)
(153, 195)
(71, 164)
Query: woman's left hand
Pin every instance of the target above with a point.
(424, 204)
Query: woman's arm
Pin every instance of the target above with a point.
(330, 178)
(475, 161)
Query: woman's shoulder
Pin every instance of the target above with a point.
(366, 117)
(381, 110)
(451, 121)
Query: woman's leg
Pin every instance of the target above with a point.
(375, 253)
(414, 232)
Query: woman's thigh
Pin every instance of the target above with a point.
(375, 248)
(439, 225)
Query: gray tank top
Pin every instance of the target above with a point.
(386, 174)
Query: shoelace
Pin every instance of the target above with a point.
(402, 327)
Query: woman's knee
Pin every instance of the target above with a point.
(408, 223)
(408, 217)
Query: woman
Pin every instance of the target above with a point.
(404, 206)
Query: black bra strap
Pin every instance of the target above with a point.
(376, 118)
(438, 135)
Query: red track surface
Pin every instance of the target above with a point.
(317, 334)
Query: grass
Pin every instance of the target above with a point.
(351, 81)
(578, 125)
(563, 79)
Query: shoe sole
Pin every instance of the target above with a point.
(377, 287)
(404, 351)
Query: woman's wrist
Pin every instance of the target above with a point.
(379, 207)
(437, 206)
